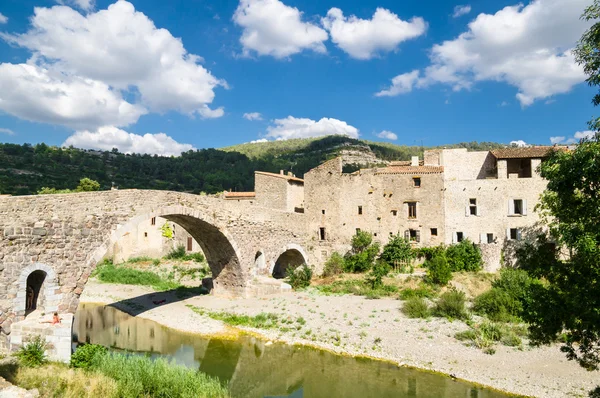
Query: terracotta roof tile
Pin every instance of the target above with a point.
(404, 163)
(240, 195)
(410, 170)
(287, 177)
(519, 153)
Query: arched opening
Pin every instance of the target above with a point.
(259, 261)
(34, 297)
(291, 258)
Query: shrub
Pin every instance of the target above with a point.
(179, 253)
(430, 252)
(438, 271)
(334, 265)
(498, 305)
(84, 355)
(464, 256)
(415, 307)
(398, 253)
(423, 291)
(375, 277)
(299, 277)
(33, 354)
(451, 305)
(363, 253)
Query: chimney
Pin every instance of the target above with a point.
(281, 172)
(414, 161)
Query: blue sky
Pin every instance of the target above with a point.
(162, 77)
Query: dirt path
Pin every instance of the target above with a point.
(377, 328)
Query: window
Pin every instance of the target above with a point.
(359, 210)
(322, 233)
(322, 211)
(189, 243)
(394, 213)
(490, 238)
(412, 209)
(514, 234)
(145, 234)
(412, 235)
(417, 182)
(518, 206)
(434, 232)
(473, 207)
(459, 237)
(153, 221)
(375, 234)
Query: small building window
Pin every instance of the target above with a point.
(322, 233)
(145, 234)
(375, 234)
(322, 211)
(153, 221)
(490, 238)
(412, 235)
(514, 234)
(417, 182)
(434, 232)
(412, 209)
(394, 213)
(190, 243)
(459, 237)
(518, 206)
(473, 207)
(359, 210)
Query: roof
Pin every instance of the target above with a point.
(520, 153)
(410, 170)
(287, 177)
(404, 163)
(240, 195)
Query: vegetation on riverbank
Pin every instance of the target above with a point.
(110, 273)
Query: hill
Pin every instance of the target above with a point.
(25, 169)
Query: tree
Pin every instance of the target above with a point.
(363, 253)
(464, 256)
(87, 185)
(398, 252)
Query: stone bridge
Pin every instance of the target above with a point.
(59, 239)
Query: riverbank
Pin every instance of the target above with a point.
(356, 326)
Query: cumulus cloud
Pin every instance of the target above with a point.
(107, 138)
(388, 135)
(117, 50)
(519, 143)
(459, 11)
(259, 141)
(557, 140)
(85, 5)
(7, 131)
(578, 136)
(3, 18)
(253, 116)
(32, 93)
(528, 47)
(291, 127)
(273, 28)
(364, 38)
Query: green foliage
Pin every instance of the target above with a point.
(300, 277)
(167, 231)
(451, 305)
(438, 271)
(464, 256)
(486, 334)
(423, 291)
(416, 307)
(109, 273)
(33, 354)
(358, 287)
(84, 355)
(375, 277)
(498, 305)
(87, 185)
(334, 265)
(398, 253)
(264, 320)
(429, 252)
(138, 376)
(141, 259)
(363, 253)
(179, 253)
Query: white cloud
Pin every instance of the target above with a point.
(3, 18)
(85, 5)
(503, 104)
(363, 39)
(292, 127)
(272, 28)
(557, 140)
(253, 116)
(32, 93)
(578, 136)
(585, 135)
(7, 131)
(519, 143)
(459, 11)
(123, 49)
(401, 84)
(388, 135)
(259, 141)
(107, 138)
(528, 47)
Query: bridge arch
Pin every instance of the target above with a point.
(45, 289)
(292, 255)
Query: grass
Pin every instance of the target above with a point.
(451, 305)
(180, 253)
(357, 287)
(486, 334)
(264, 320)
(416, 307)
(109, 273)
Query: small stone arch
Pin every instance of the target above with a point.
(260, 263)
(47, 295)
(292, 255)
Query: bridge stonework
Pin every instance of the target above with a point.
(66, 235)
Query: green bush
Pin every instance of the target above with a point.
(398, 253)
(375, 276)
(498, 305)
(363, 253)
(451, 305)
(33, 354)
(299, 277)
(464, 256)
(334, 265)
(423, 291)
(430, 252)
(416, 307)
(438, 271)
(177, 253)
(84, 355)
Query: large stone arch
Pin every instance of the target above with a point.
(51, 294)
(291, 254)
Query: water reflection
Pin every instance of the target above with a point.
(254, 369)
